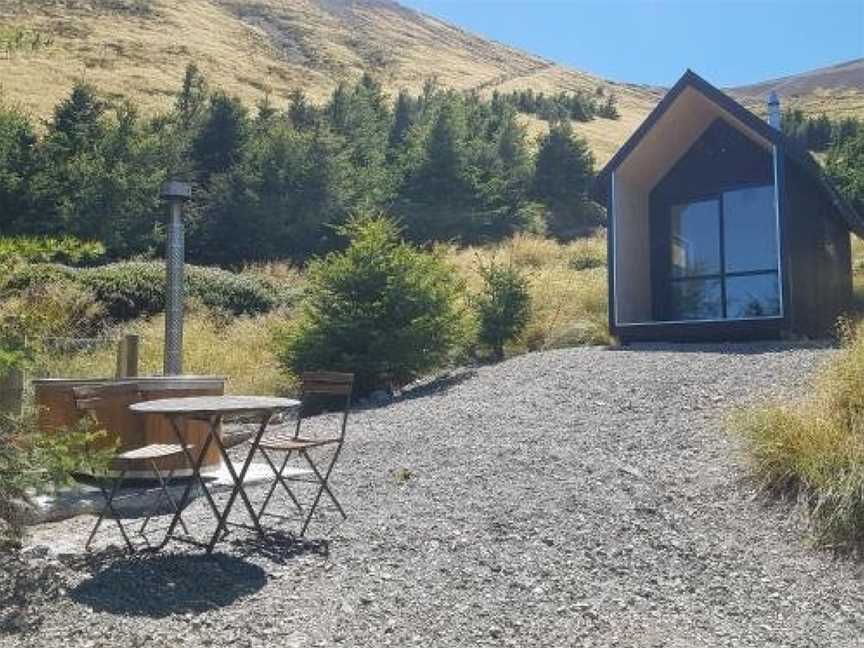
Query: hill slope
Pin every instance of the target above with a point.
(252, 48)
(837, 90)
(139, 48)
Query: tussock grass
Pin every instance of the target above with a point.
(240, 348)
(568, 305)
(812, 449)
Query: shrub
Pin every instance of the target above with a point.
(503, 306)
(43, 249)
(381, 309)
(587, 253)
(31, 460)
(130, 289)
(813, 449)
(568, 307)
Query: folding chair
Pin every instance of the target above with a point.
(101, 402)
(318, 390)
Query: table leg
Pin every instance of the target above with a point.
(238, 482)
(196, 474)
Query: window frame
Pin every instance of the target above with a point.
(717, 197)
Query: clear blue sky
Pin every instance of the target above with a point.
(729, 42)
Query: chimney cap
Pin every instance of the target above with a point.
(176, 191)
(773, 99)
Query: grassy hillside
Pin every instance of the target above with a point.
(139, 48)
(253, 48)
(837, 90)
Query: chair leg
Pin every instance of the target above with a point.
(322, 479)
(278, 480)
(163, 493)
(109, 507)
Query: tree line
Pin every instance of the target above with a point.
(275, 182)
(821, 132)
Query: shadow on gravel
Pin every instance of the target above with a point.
(279, 547)
(438, 385)
(159, 585)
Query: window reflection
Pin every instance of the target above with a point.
(749, 229)
(695, 244)
(739, 282)
(752, 296)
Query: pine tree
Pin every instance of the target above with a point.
(77, 123)
(191, 103)
(219, 144)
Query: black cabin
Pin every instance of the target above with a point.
(720, 228)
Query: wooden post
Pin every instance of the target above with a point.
(11, 391)
(127, 356)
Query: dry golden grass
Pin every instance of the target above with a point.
(270, 46)
(813, 448)
(241, 349)
(568, 305)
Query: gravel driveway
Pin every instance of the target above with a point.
(582, 497)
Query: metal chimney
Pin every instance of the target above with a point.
(175, 193)
(774, 110)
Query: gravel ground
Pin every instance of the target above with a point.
(583, 497)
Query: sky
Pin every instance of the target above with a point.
(729, 42)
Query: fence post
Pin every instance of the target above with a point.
(127, 356)
(12, 391)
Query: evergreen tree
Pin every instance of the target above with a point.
(845, 165)
(219, 144)
(403, 119)
(562, 178)
(191, 103)
(77, 123)
(301, 114)
(17, 165)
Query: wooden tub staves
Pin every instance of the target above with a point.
(57, 411)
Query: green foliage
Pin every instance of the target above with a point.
(17, 165)
(39, 249)
(503, 306)
(818, 133)
(31, 459)
(381, 309)
(845, 166)
(449, 166)
(578, 106)
(563, 176)
(130, 289)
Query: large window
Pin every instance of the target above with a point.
(723, 257)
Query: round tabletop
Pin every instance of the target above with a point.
(214, 405)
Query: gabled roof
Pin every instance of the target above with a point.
(690, 79)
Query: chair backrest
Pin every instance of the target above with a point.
(320, 386)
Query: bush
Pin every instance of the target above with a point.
(381, 309)
(568, 307)
(130, 289)
(812, 450)
(503, 306)
(42, 249)
(587, 254)
(32, 460)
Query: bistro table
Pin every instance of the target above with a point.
(213, 409)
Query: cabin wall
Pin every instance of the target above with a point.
(818, 257)
(632, 254)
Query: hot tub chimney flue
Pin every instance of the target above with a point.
(175, 193)
(774, 110)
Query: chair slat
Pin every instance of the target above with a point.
(327, 382)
